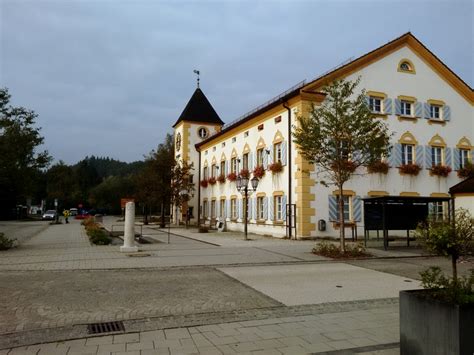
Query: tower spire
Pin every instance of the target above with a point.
(197, 73)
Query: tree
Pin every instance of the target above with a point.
(61, 184)
(19, 159)
(182, 188)
(341, 135)
(154, 181)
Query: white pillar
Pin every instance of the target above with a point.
(129, 229)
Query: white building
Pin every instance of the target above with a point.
(428, 108)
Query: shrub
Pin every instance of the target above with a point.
(330, 250)
(212, 180)
(378, 167)
(5, 242)
(440, 170)
(204, 183)
(275, 168)
(221, 179)
(410, 169)
(259, 171)
(245, 173)
(232, 177)
(444, 288)
(96, 234)
(467, 171)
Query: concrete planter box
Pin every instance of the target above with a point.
(429, 327)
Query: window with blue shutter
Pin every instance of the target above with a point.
(428, 160)
(265, 207)
(332, 205)
(283, 153)
(357, 209)
(418, 109)
(270, 156)
(446, 113)
(387, 106)
(419, 155)
(395, 155)
(254, 208)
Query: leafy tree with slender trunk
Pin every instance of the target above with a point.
(20, 160)
(182, 189)
(339, 136)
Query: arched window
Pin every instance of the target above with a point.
(406, 66)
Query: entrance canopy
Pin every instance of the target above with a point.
(397, 213)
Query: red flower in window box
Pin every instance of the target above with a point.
(212, 180)
(377, 167)
(232, 177)
(259, 171)
(245, 173)
(221, 179)
(440, 170)
(467, 171)
(204, 183)
(410, 169)
(275, 168)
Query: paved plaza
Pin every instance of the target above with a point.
(200, 294)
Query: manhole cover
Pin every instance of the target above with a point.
(107, 327)
(138, 255)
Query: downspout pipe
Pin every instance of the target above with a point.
(199, 190)
(289, 164)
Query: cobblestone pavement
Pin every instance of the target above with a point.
(366, 331)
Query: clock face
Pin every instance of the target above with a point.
(203, 133)
(178, 142)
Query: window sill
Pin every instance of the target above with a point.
(380, 114)
(350, 224)
(279, 222)
(436, 121)
(408, 118)
(261, 221)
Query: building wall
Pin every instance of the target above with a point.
(465, 201)
(383, 76)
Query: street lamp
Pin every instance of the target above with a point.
(243, 187)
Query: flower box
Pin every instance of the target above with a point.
(410, 169)
(275, 168)
(245, 173)
(467, 171)
(259, 171)
(204, 183)
(212, 180)
(232, 177)
(440, 170)
(221, 179)
(378, 167)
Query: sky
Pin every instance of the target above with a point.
(110, 77)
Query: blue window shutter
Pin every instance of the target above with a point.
(251, 161)
(447, 156)
(428, 160)
(332, 204)
(283, 207)
(239, 208)
(357, 208)
(283, 153)
(395, 156)
(270, 156)
(265, 208)
(387, 105)
(398, 107)
(265, 158)
(447, 113)
(419, 155)
(254, 208)
(226, 167)
(271, 210)
(418, 109)
(457, 161)
(255, 160)
(367, 101)
(427, 113)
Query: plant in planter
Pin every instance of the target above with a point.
(245, 173)
(221, 179)
(440, 319)
(275, 168)
(259, 171)
(440, 170)
(467, 171)
(378, 167)
(232, 177)
(212, 180)
(410, 169)
(204, 183)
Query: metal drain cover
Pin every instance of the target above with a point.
(138, 255)
(107, 327)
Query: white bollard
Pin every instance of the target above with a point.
(129, 229)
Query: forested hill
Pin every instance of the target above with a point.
(106, 167)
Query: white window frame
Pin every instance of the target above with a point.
(245, 161)
(406, 108)
(213, 170)
(278, 203)
(277, 152)
(260, 211)
(375, 101)
(463, 158)
(233, 208)
(347, 207)
(436, 156)
(233, 165)
(221, 208)
(436, 211)
(436, 112)
(222, 168)
(260, 153)
(408, 154)
(213, 208)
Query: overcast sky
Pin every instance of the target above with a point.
(110, 77)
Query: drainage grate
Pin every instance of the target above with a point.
(107, 327)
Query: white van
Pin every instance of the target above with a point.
(73, 211)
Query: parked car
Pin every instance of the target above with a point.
(73, 211)
(49, 215)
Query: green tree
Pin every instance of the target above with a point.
(182, 188)
(20, 160)
(341, 135)
(107, 194)
(62, 184)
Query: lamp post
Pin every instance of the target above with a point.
(184, 196)
(243, 187)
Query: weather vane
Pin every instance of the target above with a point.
(197, 72)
